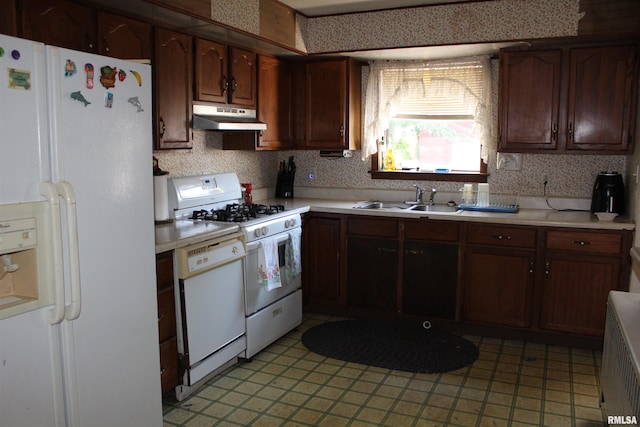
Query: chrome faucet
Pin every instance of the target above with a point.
(419, 194)
(433, 194)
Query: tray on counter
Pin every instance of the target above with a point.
(502, 203)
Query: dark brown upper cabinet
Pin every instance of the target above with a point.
(172, 89)
(224, 74)
(123, 38)
(60, 23)
(568, 99)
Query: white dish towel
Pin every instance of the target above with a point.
(292, 255)
(268, 265)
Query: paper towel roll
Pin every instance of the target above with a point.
(160, 197)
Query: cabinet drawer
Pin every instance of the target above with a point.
(166, 314)
(521, 237)
(169, 364)
(372, 227)
(585, 241)
(442, 231)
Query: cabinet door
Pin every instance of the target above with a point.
(601, 101)
(321, 271)
(172, 84)
(529, 100)
(123, 38)
(372, 273)
(497, 285)
(326, 104)
(60, 23)
(275, 89)
(212, 81)
(242, 69)
(429, 279)
(575, 291)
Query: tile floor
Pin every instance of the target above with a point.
(511, 384)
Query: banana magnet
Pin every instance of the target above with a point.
(137, 76)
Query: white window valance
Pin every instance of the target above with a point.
(460, 87)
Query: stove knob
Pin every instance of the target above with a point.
(287, 224)
(293, 222)
(264, 230)
(257, 232)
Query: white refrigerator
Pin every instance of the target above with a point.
(76, 128)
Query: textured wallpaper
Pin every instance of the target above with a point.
(569, 175)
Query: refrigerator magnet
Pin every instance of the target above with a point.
(137, 76)
(108, 76)
(15, 54)
(136, 103)
(108, 100)
(19, 79)
(69, 68)
(1, 52)
(77, 96)
(122, 75)
(88, 69)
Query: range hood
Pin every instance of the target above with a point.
(222, 118)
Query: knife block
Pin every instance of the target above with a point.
(284, 185)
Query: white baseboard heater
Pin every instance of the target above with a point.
(620, 376)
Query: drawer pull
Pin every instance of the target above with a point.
(501, 237)
(581, 242)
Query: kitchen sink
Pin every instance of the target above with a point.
(434, 208)
(382, 205)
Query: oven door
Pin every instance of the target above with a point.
(257, 295)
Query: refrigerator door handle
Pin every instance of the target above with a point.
(56, 314)
(65, 190)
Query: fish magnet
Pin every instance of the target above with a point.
(88, 69)
(136, 103)
(77, 96)
(108, 76)
(69, 68)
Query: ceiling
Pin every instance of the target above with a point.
(312, 8)
(315, 8)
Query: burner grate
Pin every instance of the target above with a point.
(236, 212)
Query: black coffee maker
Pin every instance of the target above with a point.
(608, 193)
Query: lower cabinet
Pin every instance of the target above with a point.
(167, 321)
(498, 285)
(580, 269)
(430, 268)
(499, 274)
(322, 242)
(548, 280)
(372, 263)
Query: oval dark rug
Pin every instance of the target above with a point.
(410, 348)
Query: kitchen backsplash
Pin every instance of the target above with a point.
(569, 175)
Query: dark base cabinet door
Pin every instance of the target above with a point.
(372, 273)
(498, 285)
(429, 279)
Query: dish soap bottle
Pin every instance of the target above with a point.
(389, 161)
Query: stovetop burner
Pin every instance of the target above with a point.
(236, 212)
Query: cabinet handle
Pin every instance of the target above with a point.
(106, 44)
(501, 237)
(160, 317)
(386, 250)
(570, 130)
(546, 268)
(531, 268)
(581, 242)
(234, 84)
(342, 130)
(225, 85)
(554, 131)
(162, 370)
(162, 127)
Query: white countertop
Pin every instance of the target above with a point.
(186, 232)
